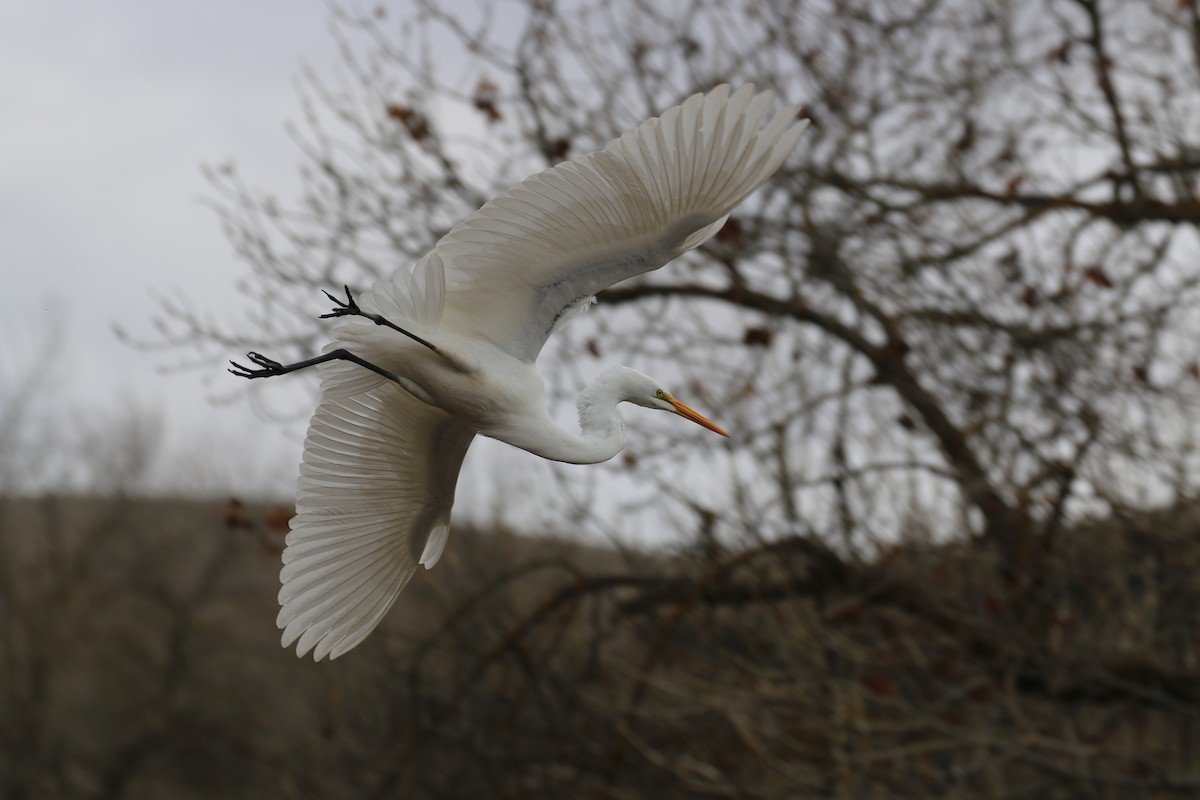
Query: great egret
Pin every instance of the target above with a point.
(446, 350)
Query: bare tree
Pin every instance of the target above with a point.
(970, 294)
(964, 314)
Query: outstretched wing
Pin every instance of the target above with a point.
(546, 246)
(376, 487)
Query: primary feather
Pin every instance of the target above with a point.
(376, 487)
(381, 462)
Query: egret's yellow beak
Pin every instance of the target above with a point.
(689, 414)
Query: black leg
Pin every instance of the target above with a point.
(270, 368)
(351, 309)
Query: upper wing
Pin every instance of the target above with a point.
(376, 486)
(517, 264)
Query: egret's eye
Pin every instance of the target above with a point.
(660, 394)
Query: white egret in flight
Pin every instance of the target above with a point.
(437, 354)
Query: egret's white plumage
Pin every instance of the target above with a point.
(381, 458)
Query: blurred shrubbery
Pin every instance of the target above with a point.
(140, 660)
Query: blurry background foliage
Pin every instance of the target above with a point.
(951, 549)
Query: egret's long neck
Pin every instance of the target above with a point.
(601, 432)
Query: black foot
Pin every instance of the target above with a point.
(269, 367)
(346, 309)
(349, 308)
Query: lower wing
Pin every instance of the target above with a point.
(376, 488)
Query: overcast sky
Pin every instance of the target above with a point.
(108, 112)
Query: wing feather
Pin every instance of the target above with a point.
(512, 268)
(376, 487)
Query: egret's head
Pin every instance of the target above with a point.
(645, 391)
